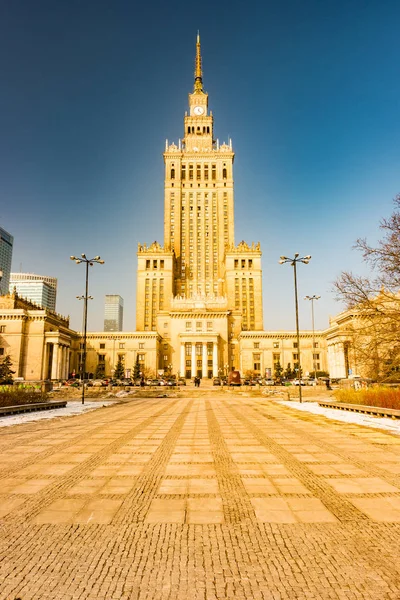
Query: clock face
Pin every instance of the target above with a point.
(198, 110)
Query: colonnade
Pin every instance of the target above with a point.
(194, 356)
(59, 367)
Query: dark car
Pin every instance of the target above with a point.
(181, 381)
(216, 381)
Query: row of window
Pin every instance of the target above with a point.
(199, 172)
(155, 264)
(121, 345)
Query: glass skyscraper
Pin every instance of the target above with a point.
(113, 312)
(6, 248)
(40, 289)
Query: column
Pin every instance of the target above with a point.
(54, 365)
(45, 359)
(215, 359)
(205, 365)
(182, 370)
(67, 363)
(194, 366)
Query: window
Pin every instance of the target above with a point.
(236, 263)
(1, 351)
(250, 263)
(141, 357)
(209, 326)
(2, 328)
(276, 344)
(154, 264)
(165, 357)
(147, 264)
(172, 173)
(276, 358)
(183, 172)
(315, 344)
(102, 357)
(161, 264)
(295, 357)
(188, 326)
(256, 344)
(141, 345)
(199, 326)
(102, 346)
(315, 356)
(165, 325)
(243, 263)
(256, 356)
(121, 345)
(224, 173)
(295, 345)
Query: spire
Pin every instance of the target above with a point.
(198, 80)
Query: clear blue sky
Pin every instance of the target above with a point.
(309, 92)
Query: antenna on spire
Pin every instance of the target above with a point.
(198, 74)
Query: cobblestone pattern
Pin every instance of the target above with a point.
(336, 503)
(56, 490)
(236, 503)
(137, 502)
(355, 559)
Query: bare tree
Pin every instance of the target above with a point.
(374, 329)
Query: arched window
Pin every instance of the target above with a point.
(224, 173)
(172, 173)
(188, 129)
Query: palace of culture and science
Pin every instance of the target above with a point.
(200, 290)
(199, 294)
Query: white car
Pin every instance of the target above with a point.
(298, 382)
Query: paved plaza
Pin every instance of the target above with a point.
(209, 496)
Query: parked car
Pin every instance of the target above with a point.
(153, 382)
(181, 381)
(298, 382)
(170, 382)
(216, 381)
(269, 382)
(98, 383)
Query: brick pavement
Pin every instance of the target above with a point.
(212, 496)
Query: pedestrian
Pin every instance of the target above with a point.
(142, 382)
(198, 382)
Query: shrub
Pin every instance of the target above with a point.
(23, 394)
(382, 397)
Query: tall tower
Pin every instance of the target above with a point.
(200, 290)
(199, 206)
(6, 249)
(113, 312)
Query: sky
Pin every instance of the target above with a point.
(308, 91)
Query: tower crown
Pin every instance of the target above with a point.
(198, 73)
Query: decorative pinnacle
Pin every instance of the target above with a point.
(198, 81)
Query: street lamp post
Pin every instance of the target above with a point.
(88, 262)
(312, 298)
(293, 262)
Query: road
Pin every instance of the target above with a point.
(209, 496)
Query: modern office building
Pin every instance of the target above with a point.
(40, 289)
(6, 248)
(113, 313)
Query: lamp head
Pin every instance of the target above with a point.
(73, 257)
(308, 257)
(96, 258)
(281, 262)
(83, 255)
(283, 258)
(101, 262)
(77, 261)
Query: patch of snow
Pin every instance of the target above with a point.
(386, 423)
(72, 408)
